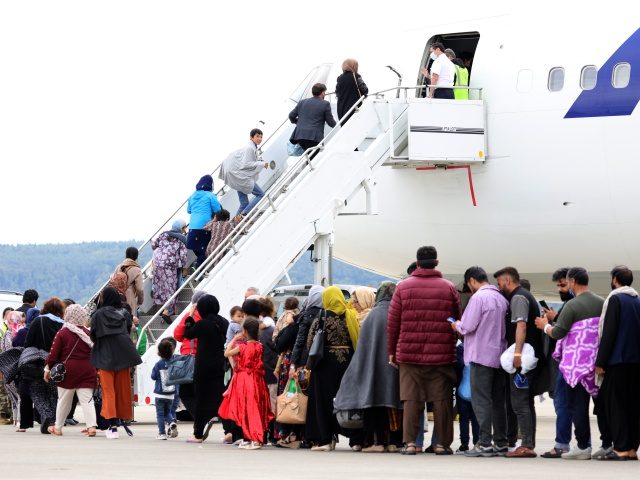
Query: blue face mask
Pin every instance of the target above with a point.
(433, 56)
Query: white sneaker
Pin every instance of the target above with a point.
(161, 436)
(602, 452)
(112, 433)
(578, 454)
(173, 430)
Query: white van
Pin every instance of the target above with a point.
(10, 299)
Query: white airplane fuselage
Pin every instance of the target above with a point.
(553, 191)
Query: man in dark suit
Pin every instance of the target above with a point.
(310, 116)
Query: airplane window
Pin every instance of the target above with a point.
(556, 79)
(588, 77)
(621, 75)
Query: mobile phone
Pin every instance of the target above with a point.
(451, 320)
(544, 304)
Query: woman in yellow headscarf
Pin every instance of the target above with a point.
(339, 323)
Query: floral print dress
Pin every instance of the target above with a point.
(169, 255)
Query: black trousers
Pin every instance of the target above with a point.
(444, 93)
(620, 394)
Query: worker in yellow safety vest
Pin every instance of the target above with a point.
(462, 79)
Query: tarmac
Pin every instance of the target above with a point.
(32, 455)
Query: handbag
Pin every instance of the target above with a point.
(59, 370)
(464, 389)
(316, 352)
(353, 418)
(292, 405)
(180, 369)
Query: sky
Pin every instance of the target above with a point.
(111, 111)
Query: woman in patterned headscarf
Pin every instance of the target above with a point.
(362, 300)
(72, 347)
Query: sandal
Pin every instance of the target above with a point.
(613, 456)
(54, 431)
(289, 442)
(553, 453)
(441, 450)
(89, 432)
(409, 449)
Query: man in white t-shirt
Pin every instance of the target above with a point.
(442, 73)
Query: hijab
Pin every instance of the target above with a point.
(385, 291)
(350, 65)
(315, 297)
(205, 183)
(333, 301)
(75, 318)
(111, 298)
(32, 314)
(366, 297)
(120, 282)
(208, 305)
(176, 231)
(197, 295)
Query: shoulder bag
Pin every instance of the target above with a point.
(59, 370)
(292, 405)
(180, 368)
(316, 352)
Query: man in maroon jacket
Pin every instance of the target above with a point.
(422, 344)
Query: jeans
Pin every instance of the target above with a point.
(522, 402)
(488, 402)
(563, 414)
(163, 413)
(578, 403)
(246, 205)
(466, 415)
(175, 403)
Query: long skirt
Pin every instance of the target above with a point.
(620, 395)
(165, 283)
(14, 398)
(322, 426)
(197, 241)
(44, 396)
(208, 388)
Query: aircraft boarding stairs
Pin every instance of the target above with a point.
(298, 209)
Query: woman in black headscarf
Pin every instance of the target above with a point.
(208, 377)
(113, 354)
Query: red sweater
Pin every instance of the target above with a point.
(79, 371)
(417, 328)
(178, 334)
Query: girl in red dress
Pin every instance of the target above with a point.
(246, 401)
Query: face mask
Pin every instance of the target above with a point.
(433, 56)
(565, 296)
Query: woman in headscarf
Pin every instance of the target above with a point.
(370, 383)
(21, 335)
(310, 310)
(169, 257)
(362, 300)
(40, 335)
(113, 354)
(208, 375)
(202, 205)
(340, 326)
(12, 321)
(349, 88)
(72, 347)
(220, 227)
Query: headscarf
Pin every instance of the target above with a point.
(333, 301)
(385, 291)
(76, 317)
(32, 314)
(120, 282)
(205, 183)
(315, 297)
(14, 319)
(350, 65)
(208, 305)
(197, 295)
(178, 225)
(111, 298)
(53, 317)
(366, 297)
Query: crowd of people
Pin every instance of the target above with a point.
(367, 366)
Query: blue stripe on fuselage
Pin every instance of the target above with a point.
(605, 100)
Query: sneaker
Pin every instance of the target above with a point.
(374, 449)
(112, 433)
(392, 448)
(480, 451)
(71, 422)
(251, 446)
(356, 448)
(462, 449)
(601, 453)
(501, 451)
(173, 430)
(578, 454)
(161, 436)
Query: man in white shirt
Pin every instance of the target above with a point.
(442, 73)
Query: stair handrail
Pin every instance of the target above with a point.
(219, 192)
(260, 212)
